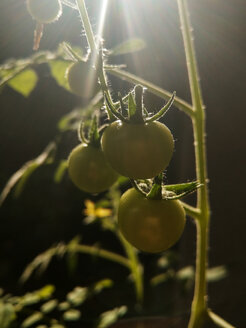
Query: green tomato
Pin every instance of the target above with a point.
(150, 225)
(44, 11)
(82, 79)
(138, 151)
(89, 170)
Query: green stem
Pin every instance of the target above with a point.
(218, 320)
(190, 210)
(135, 266)
(87, 26)
(199, 304)
(95, 51)
(95, 251)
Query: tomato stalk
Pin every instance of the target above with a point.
(199, 304)
(95, 51)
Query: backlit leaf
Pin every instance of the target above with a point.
(58, 70)
(129, 46)
(24, 82)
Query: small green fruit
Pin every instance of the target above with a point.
(82, 79)
(44, 11)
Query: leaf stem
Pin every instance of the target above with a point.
(218, 320)
(92, 250)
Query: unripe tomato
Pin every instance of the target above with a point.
(44, 11)
(150, 225)
(138, 151)
(82, 79)
(89, 170)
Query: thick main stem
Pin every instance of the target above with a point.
(199, 304)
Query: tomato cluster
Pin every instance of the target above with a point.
(137, 148)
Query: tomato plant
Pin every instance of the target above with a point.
(150, 225)
(138, 150)
(82, 79)
(89, 170)
(45, 11)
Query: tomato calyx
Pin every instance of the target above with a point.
(156, 189)
(94, 135)
(136, 113)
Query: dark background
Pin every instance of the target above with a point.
(46, 213)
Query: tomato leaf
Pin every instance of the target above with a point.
(24, 173)
(72, 315)
(77, 296)
(49, 306)
(216, 273)
(24, 82)
(60, 171)
(110, 317)
(34, 318)
(58, 70)
(7, 315)
(128, 46)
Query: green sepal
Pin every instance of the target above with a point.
(131, 105)
(94, 136)
(156, 190)
(113, 111)
(72, 54)
(177, 191)
(162, 111)
(138, 97)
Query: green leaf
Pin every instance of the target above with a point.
(64, 306)
(24, 82)
(161, 278)
(72, 315)
(216, 273)
(22, 181)
(7, 315)
(100, 285)
(60, 171)
(32, 319)
(58, 70)
(30, 299)
(129, 46)
(186, 273)
(49, 306)
(25, 172)
(78, 295)
(110, 317)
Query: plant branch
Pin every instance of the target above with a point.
(193, 212)
(199, 304)
(95, 251)
(87, 26)
(218, 320)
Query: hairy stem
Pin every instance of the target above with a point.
(98, 55)
(199, 304)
